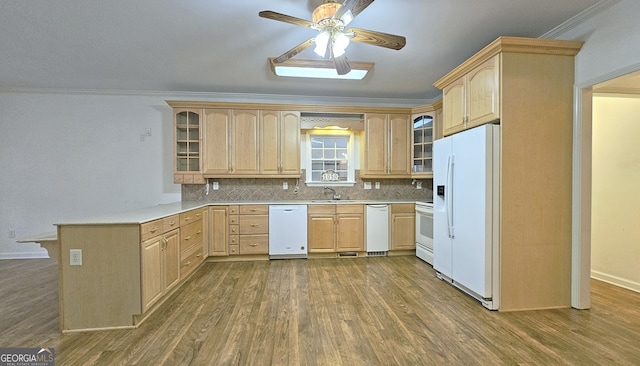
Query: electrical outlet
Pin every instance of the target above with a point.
(147, 131)
(367, 185)
(418, 185)
(75, 257)
(12, 233)
(377, 185)
(285, 185)
(216, 186)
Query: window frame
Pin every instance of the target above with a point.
(350, 160)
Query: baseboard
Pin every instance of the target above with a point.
(614, 280)
(23, 255)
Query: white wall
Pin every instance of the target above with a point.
(611, 49)
(65, 156)
(615, 228)
(611, 42)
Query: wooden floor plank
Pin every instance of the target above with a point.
(363, 311)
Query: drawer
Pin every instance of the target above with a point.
(403, 207)
(254, 224)
(233, 220)
(233, 210)
(191, 260)
(254, 244)
(234, 239)
(254, 210)
(171, 222)
(234, 249)
(321, 209)
(190, 235)
(190, 216)
(354, 209)
(234, 229)
(150, 229)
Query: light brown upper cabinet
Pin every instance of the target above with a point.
(422, 142)
(474, 98)
(280, 143)
(230, 142)
(251, 143)
(387, 146)
(187, 166)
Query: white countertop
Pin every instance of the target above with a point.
(157, 212)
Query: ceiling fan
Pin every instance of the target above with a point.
(330, 19)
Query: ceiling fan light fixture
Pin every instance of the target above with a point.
(322, 41)
(340, 44)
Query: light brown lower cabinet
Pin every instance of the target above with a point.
(160, 267)
(218, 231)
(335, 228)
(253, 229)
(403, 226)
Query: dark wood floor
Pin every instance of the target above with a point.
(365, 311)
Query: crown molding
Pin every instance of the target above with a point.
(580, 18)
(233, 97)
(511, 45)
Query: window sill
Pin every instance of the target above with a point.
(330, 184)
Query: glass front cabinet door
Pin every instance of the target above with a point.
(423, 132)
(188, 156)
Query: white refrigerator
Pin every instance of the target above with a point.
(466, 238)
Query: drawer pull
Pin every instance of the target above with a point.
(253, 245)
(172, 223)
(198, 255)
(198, 215)
(187, 218)
(187, 263)
(254, 225)
(153, 230)
(187, 238)
(199, 232)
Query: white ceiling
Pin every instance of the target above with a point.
(222, 46)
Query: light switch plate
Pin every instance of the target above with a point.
(75, 257)
(367, 185)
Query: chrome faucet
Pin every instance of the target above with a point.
(335, 195)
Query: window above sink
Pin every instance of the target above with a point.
(330, 159)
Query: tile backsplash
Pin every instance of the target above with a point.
(266, 189)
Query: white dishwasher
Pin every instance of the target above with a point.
(287, 231)
(377, 230)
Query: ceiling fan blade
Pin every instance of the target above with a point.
(377, 38)
(342, 64)
(285, 18)
(355, 6)
(294, 51)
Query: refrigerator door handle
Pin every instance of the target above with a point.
(449, 196)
